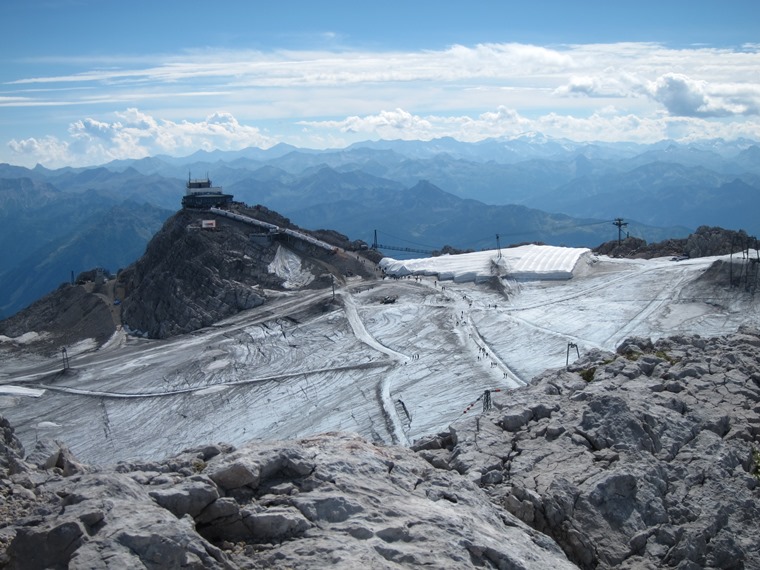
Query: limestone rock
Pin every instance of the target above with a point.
(50, 454)
(333, 500)
(190, 497)
(105, 519)
(648, 461)
(645, 458)
(11, 450)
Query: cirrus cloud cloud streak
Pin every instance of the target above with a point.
(211, 99)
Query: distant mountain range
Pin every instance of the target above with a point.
(420, 194)
(48, 234)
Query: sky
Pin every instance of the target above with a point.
(83, 82)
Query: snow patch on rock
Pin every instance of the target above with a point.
(287, 265)
(26, 338)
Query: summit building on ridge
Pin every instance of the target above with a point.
(201, 194)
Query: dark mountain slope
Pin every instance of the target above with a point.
(190, 278)
(70, 314)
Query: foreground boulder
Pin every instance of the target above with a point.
(334, 500)
(647, 458)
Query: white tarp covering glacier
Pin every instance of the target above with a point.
(525, 262)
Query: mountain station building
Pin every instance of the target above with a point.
(201, 194)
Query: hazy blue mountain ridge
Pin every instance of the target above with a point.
(46, 233)
(528, 188)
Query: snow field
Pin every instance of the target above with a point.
(391, 372)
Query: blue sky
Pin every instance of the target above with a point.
(84, 81)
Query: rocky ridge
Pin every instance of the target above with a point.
(647, 458)
(333, 500)
(64, 317)
(706, 241)
(190, 278)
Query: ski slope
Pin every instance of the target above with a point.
(306, 362)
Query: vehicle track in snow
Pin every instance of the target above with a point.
(393, 421)
(219, 386)
(668, 292)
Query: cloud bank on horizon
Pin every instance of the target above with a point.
(113, 107)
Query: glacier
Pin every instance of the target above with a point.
(311, 361)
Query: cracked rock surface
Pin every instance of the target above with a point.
(642, 459)
(328, 501)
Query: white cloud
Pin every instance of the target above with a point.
(609, 124)
(386, 124)
(686, 97)
(682, 96)
(43, 150)
(344, 95)
(136, 135)
(610, 84)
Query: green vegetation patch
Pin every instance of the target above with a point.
(588, 374)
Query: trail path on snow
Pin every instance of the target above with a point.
(667, 294)
(463, 306)
(395, 426)
(201, 389)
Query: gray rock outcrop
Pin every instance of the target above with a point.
(334, 500)
(705, 241)
(62, 318)
(647, 458)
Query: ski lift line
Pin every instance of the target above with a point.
(274, 228)
(406, 240)
(489, 237)
(477, 242)
(396, 248)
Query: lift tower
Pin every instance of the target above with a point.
(620, 225)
